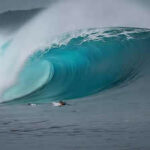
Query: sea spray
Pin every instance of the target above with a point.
(60, 18)
(92, 61)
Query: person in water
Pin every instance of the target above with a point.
(62, 103)
(59, 103)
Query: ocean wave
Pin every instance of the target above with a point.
(80, 64)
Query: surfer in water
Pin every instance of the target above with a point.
(60, 103)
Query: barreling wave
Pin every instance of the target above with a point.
(81, 63)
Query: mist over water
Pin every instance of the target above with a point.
(62, 17)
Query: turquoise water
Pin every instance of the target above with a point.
(89, 62)
(102, 73)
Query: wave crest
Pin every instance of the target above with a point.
(82, 63)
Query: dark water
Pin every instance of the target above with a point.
(116, 122)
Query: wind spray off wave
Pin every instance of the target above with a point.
(82, 63)
(50, 58)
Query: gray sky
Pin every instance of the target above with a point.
(6, 5)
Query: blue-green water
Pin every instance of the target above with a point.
(91, 61)
(104, 76)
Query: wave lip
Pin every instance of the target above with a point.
(82, 63)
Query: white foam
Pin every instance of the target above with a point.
(63, 17)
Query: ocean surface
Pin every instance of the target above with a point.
(102, 73)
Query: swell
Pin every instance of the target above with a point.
(82, 63)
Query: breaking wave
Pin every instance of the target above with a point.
(81, 63)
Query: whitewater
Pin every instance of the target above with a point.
(93, 54)
(43, 31)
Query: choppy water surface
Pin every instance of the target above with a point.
(114, 122)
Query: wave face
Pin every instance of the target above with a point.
(81, 63)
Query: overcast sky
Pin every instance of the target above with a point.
(6, 5)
